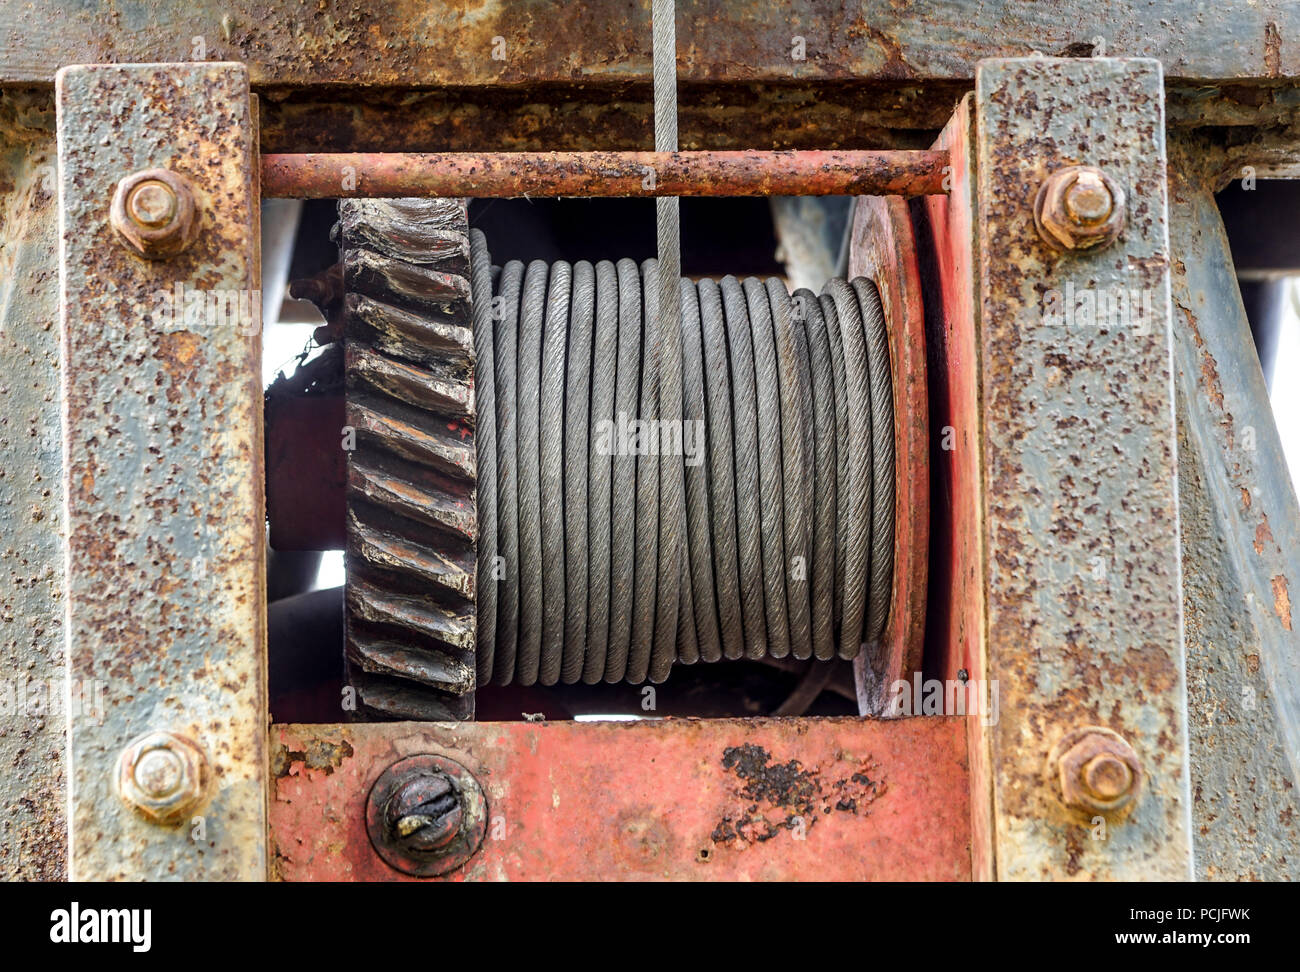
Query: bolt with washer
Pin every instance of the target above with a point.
(1098, 771)
(1079, 208)
(426, 815)
(163, 775)
(154, 213)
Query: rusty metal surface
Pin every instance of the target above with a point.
(1084, 623)
(882, 249)
(1241, 562)
(470, 44)
(1258, 118)
(511, 174)
(580, 116)
(957, 606)
(714, 799)
(33, 832)
(163, 450)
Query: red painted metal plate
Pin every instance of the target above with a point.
(690, 799)
(957, 614)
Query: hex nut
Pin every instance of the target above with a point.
(1098, 771)
(153, 211)
(162, 775)
(1079, 207)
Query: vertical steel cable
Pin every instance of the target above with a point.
(555, 339)
(577, 423)
(699, 521)
(744, 420)
(858, 510)
(485, 438)
(648, 494)
(771, 500)
(627, 398)
(531, 314)
(824, 473)
(605, 363)
(505, 323)
(672, 514)
(882, 459)
(721, 469)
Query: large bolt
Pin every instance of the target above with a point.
(426, 815)
(1098, 770)
(162, 775)
(153, 212)
(1079, 208)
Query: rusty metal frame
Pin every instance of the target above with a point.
(162, 418)
(1034, 414)
(1077, 550)
(459, 44)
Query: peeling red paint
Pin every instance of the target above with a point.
(697, 799)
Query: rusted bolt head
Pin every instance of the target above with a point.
(162, 775)
(1098, 770)
(1107, 777)
(1079, 208)
(426, 815)
(152, 204)
(153, 212)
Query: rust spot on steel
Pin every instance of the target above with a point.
(318, 754)
(1263, 536)
(1282, 601)
(1272, 50)
(785, 796)
(803, 173)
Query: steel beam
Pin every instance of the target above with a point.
(1241, 562)
(162, 408)
(465, 44)
(1080, 560)
(33, 836)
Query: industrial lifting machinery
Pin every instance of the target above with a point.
(953, 541)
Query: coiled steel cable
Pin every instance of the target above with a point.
(779, 471)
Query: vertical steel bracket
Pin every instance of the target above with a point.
(1079, 471)
(162, 422)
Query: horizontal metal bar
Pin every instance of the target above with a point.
(505, 174)
(826, 799)
(415, 44)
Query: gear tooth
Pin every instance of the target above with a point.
(412, 520)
